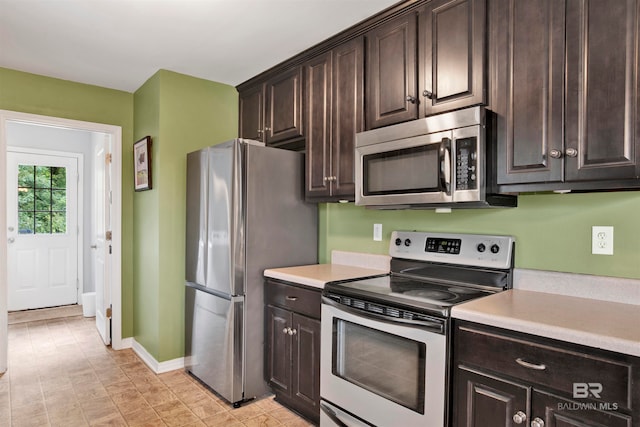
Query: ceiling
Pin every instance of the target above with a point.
(119, 44)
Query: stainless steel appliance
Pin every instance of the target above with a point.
(245, 213)
(438, 161)
(385, 341)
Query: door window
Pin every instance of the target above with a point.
(388, 365)
(42, 199)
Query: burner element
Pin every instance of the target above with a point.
(430, 294)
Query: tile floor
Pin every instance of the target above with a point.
(60, 374)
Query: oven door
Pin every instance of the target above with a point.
(386, 372)
(415, 170)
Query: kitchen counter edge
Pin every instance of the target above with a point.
(593, 323)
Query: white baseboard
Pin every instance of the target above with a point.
(151, 362)
(124, 343)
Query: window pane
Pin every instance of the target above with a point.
(59, 200)
(25, 199)
(43, 200)
(58, 177)
(25, 176)
(43, 222)
(43, 177)
(25, 223)
(59, 222)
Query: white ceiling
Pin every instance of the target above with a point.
(119, 44)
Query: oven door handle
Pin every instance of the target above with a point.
(444, 155)
(436, 327)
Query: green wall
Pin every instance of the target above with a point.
(553, 231)
(181, 114)
(34, 94)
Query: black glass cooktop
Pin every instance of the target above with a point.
(427, 296)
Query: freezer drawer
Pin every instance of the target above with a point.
(213, 340)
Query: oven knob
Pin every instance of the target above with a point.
(407, 242)
(398, 242)
(481, 247)
(495, 249)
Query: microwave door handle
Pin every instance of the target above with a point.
(444, 154)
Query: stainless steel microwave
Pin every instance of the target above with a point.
(437, 161)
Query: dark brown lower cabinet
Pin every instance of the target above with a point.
(504, 378)
(292, 350)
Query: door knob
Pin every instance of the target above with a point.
(571, 152)
(537, 422)
(555, 154)
(519, 417)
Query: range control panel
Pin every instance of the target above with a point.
(492, 251)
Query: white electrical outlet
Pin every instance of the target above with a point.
(602, 240)
(377, 232)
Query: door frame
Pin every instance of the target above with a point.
(117, 342)
(80, 204)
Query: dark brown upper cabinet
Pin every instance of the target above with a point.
(333, 115)
(392, 89)
(452, 55)
(564, 79)
(426, 62)
(251, 103)
(271, 112)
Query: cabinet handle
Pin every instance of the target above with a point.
(555, 154)
(519, 417)
(524, 363)
(571, 152)
(292, 331)
(411, 99)
(428, 94)
(259, 132)
(285, 330)
(537, 422)
(290, 298)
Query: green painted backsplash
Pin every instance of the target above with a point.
(552, 231)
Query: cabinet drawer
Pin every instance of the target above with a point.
(545, 365)
(294, 298)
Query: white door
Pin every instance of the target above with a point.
(42, 225)
(101, 246)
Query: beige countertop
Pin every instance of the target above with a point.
(602, 324)
(318, 275)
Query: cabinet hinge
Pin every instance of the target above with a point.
(107, 158)
(108, 235)
(108, 314)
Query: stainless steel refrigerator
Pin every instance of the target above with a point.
(245, 213)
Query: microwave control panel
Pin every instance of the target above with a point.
(466, 164)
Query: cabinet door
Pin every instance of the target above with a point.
(306, 364)
(482, 400)
(452, 44)
(391, 72)
(284, 106)
(526, 71)
(603, 90)
(251, 104)
(558, 412)
(278, 349)
(348, 115)
(318, 74)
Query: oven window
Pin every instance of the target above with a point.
(410, 170)
(388, 365)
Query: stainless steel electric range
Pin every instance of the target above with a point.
(385, 341)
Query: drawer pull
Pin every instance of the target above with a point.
(524, 363)
(290, 298)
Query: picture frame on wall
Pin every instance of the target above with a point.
(142, 164)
